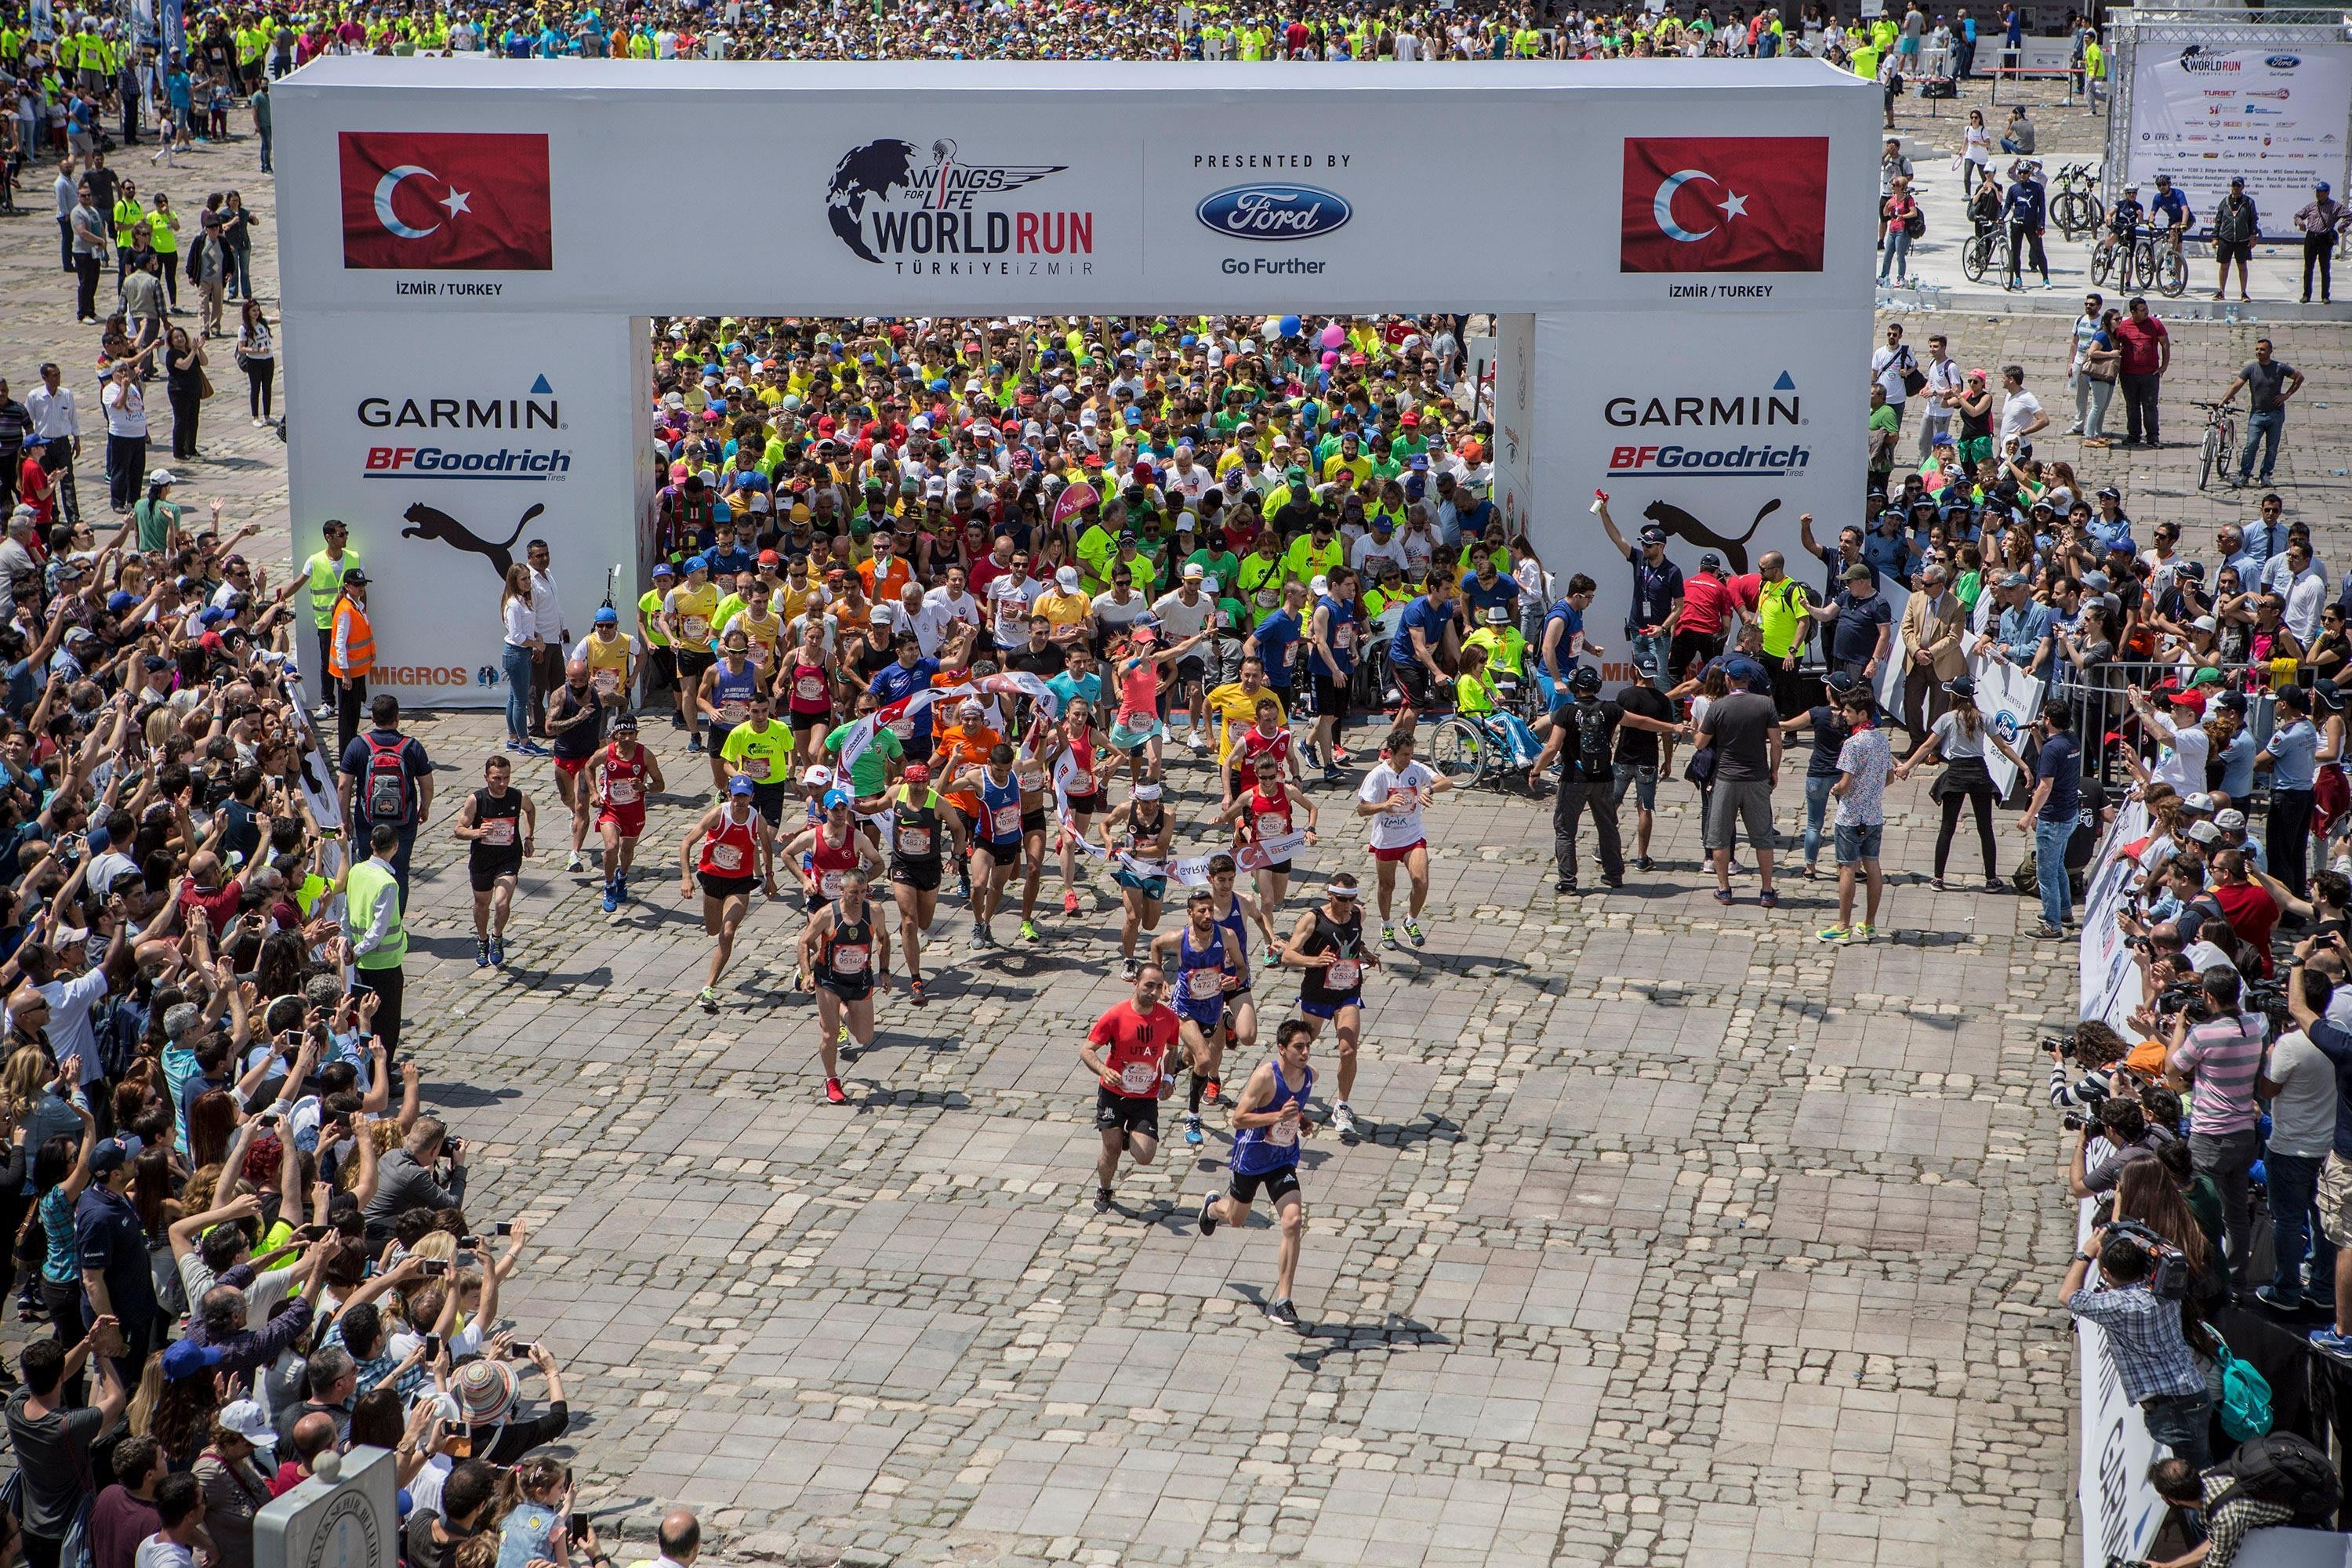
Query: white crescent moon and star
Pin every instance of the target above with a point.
(1663, 205)
(455, 201)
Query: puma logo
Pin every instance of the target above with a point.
(430, 522)
(1684, 526)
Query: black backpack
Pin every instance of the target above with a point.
(2284, 1470)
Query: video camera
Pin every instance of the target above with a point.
(2169, 1273)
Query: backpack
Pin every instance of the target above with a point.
(383, 788)
(2244, 1405)
(1592, 732)
(1916, 223)
(2283, 1469)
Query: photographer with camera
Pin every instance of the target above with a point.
(2299, 1082)
(2144, 1334)
(2221, 1053)
(2115, 1134)
(2099, 1053)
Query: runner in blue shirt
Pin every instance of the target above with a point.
(911, 673)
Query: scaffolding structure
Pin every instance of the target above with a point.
(2133, 29)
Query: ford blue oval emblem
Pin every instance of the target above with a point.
(2284, 62)
(1273, 213)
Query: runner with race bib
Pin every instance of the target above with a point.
(847, 952)
(729, 851)
(1127, 1051)
(1329, 946)
(1197, 955)
(1269, 1121)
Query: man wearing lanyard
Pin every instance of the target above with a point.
(58, 423)
(1657, 591)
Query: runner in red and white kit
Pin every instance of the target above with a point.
(622, 775)
(824, 855)
(1271, 807)
(1392, 794)
(846, 951)
(1078, 775)
(729, 851)
(1127, 1051)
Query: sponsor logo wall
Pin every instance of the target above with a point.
(2279, 118)
(1725, 452)
(445, 448)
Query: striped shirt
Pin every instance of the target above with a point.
(2223, 1057)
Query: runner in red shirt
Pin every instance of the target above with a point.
(1705, 616)
(1127, 1051)
(622, 775)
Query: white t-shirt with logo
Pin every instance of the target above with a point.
(1401, 792)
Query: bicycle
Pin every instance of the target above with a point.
(2154, 263)
(2074, 205)
(1985, 251)
(2221, 440)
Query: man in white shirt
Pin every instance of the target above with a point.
(180, 1510)
(944, 608)
(126, 437)
(1943, 396)
(1379, 544)
(547, 615)
(1888, 365)
(1393, 795)
(58, 422)
(1009, 594)
(2022, 417)
(2306, 591)
(1186, 477)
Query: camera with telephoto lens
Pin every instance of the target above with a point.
(2058, 1045)
(2168, 1270)
(2074, 1122)
(2190, 1000)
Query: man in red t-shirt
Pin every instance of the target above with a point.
(1700, 621)
(201, 889)
(2251, 912)
(2147, 354)
(1127, 1051)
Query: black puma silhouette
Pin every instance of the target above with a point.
(1683, 525)
(432, 523)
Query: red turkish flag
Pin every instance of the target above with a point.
(1725, 203)
(447, 199)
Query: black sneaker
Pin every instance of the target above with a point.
(1643, 863)
(1102, 1199)
(1208, 1219)
(1282, 1313)
(1563, 886)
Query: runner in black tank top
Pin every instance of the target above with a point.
(846, 951)
(921, 830)
(575, 728)
(497, 823)
(1327, 946)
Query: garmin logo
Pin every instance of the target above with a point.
(461, 414)
(1277, 214)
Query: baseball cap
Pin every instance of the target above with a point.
(1857, 573)
(2229, 821)
(249, 1421)
(2204, 833)
(661, 569)
(833, 798)
(1194, 570)
(2193, 701)
(1654, 534)
(1710, 562)
(607, 616)
(1839, 682)
(161, 477)
(817, 777)
(1066, 579)
(1744, 669)
(2200, 803)
(1645, 665)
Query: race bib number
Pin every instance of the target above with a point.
(1139, 1078)
(1401, 802)
(1283, 1134)
(1031, 776)
(499, 831)
(1345, 974)
(1204, 985)
(915, 841)
(850, 958)
(1275, 824)
(829, 884)
(756, 768)
(1343, 636)
(762, 655)
(733, 712)
(605, 681)
(902, 728)
(624, 792)
(727, 856)
(1267, 598)
(697, 629)
(1004, 821)
(810, 689)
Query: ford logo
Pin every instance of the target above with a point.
(1273, 213)
(2284, 62)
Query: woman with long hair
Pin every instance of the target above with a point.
(522, 642)
(257, 352)
(211, 1122)
(2150, 1194)
(1960, 737)
(184, 383)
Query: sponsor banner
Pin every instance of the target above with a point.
(2276, 116)
(175, 31)
(2110, 982)
(2008, 699)
(1725, 450)
(44, 21)
(446, 446)
(1193, 869)
(936, 187)
(1510, 406)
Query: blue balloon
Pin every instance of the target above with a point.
(1290, 326)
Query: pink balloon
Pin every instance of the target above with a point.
(1334, 335)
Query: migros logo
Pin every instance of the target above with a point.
(420, 675)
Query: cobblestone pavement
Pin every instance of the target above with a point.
(1683, 1237)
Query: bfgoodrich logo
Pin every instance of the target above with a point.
(1273, 213)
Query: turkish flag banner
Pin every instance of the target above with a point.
(447, 199)
(1725, 203)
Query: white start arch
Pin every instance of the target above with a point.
(1679, 254)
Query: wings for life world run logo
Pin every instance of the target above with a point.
(948, 217)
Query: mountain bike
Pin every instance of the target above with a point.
(1985, 251)
(2221, 440)
(2074, 205)
(2155, 264)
